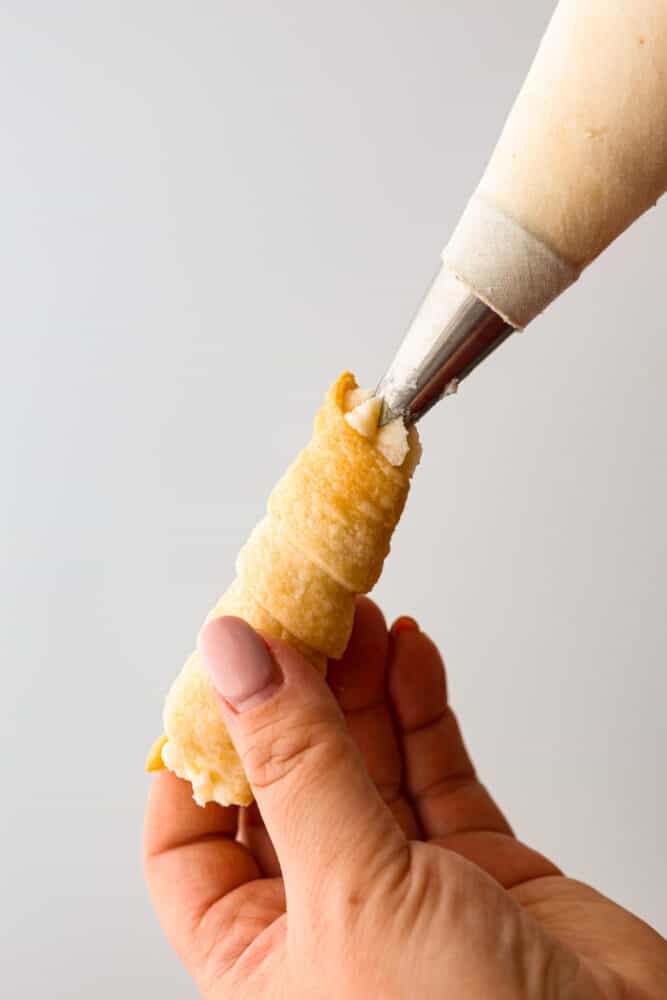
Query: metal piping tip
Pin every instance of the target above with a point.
(451, 333)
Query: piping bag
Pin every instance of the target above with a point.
(582, 154)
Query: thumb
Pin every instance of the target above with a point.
(317, 801)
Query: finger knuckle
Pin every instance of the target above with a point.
(279, 751)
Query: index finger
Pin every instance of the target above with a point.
(191, 861)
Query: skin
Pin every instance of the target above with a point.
(374, 863)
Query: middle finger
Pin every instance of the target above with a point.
(359, 682)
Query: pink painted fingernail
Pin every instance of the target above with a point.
(404, 624)
(242, 669)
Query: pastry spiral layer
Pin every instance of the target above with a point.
(324, 540)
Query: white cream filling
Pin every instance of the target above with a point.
(363, 413)
(206, 786)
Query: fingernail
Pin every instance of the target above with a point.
(404, 624)
(241, 667)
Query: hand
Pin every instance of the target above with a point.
(384, 868)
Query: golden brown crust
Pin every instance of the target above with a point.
(350, 547)
(154, 760)
(324, 539)
(295, 590)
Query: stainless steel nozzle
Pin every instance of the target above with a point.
(451, 333)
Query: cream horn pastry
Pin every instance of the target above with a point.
(323, 540)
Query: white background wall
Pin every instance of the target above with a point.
(208, 211)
